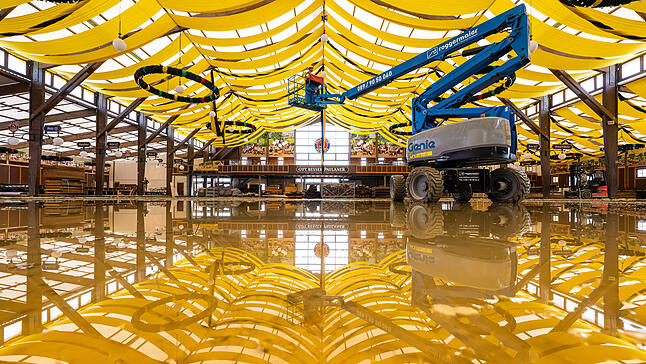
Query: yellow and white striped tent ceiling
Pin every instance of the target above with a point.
(253, 46)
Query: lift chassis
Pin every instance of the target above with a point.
(427, 184)
(487, 137)
(453, 148)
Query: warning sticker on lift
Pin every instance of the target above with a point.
(468, 176)
(420, 155)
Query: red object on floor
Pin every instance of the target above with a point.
(601, 192)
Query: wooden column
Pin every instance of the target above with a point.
(36, 124)
(140, 258)
(544, 141)
(545, 257)
(170, 157)
(170, 238)
(190, 155)
(610, 129)
(611, 301)
(141, 152)
(189, 226)
(266, 148)
(32, 322)
(99, 253)
(101, 139)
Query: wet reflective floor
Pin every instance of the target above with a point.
(322, 281)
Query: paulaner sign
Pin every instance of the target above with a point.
(318, 169)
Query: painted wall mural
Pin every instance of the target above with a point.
(257, 148)
(281, 144)
(387, 149)
(363, 146)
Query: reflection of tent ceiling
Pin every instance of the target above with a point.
(254, 321)
(255, 45)
(578, 273)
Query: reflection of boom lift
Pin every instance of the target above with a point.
(492, 264)
(488, 138)
(500, 221)
(492, 272)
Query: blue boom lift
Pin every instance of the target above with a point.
(487, 137)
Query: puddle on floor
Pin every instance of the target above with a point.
(322, 281)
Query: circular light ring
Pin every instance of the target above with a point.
(250, 127)
(393, 130)
(228, 269)
(157, 69)
(138, 324)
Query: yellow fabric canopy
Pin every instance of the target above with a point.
(253, 47)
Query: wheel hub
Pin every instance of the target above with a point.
(503, 185)
(419, 187)
(419, 218)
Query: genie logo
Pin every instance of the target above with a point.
(427, 144)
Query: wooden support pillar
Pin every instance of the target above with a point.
(141, 152)
(99, 253)
(544, 141)
(190, 155)
(611, 301)
(170, 238)
(32, 322)
(189, 226)
(626, 185)
(545, 256)
(101, 141)
(170, 158)
(36, 124)
(610, 128)
(140, 258)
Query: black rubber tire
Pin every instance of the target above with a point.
(462, 196)
(586, 194)
(508, 221)
(434, 187)
(526, 185)
(397, 188)
(425, 221)
(515, 186)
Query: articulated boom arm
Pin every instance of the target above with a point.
(513, 21)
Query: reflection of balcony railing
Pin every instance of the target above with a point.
(384, 169)
(253, 169)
